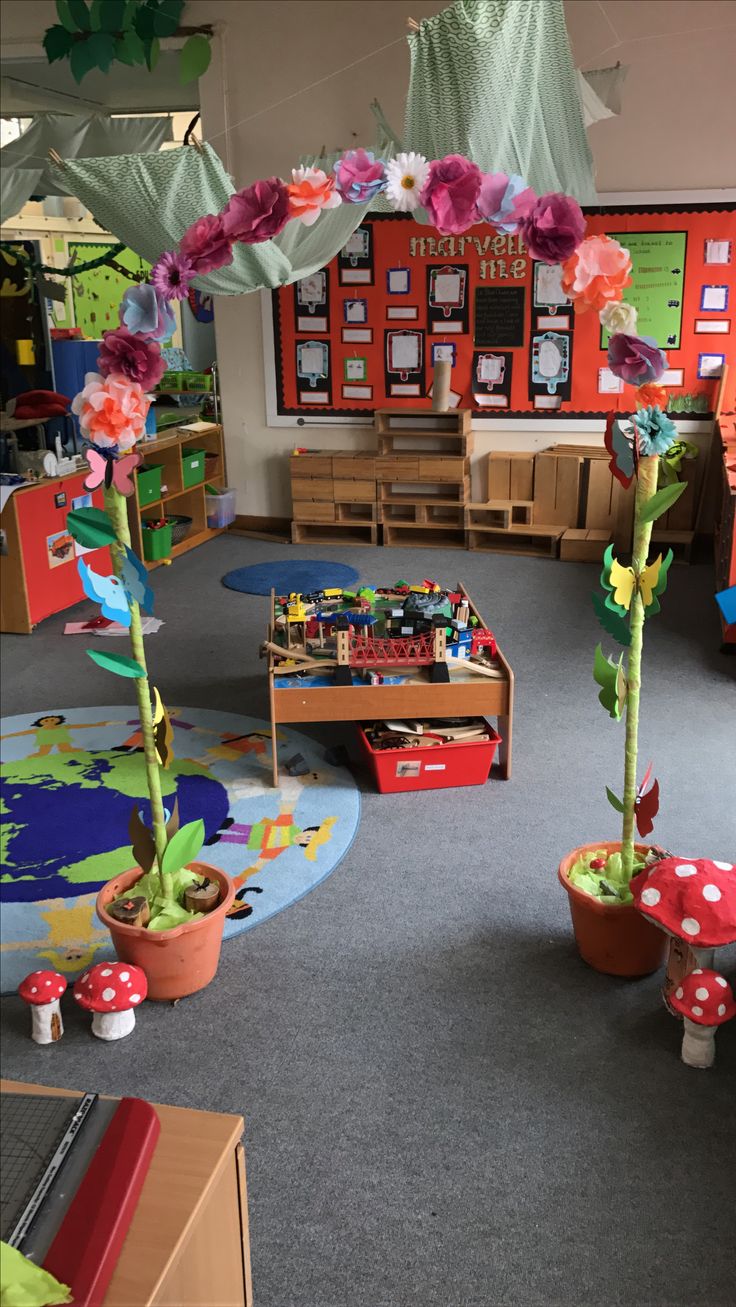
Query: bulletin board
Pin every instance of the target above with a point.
(98, 292)
(364, 332)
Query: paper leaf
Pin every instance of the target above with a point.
(610, 677)
(152, 50)
(653, 607)
(623, 449)
(65, 18)
(110, 16)
(611, 621)
(116, 663)
(614, 801)
(101, 46)
(166, 17)
(80, 14)
(129, 49)
(183, 846)
(134, 576)
(162, 732)
(194, 59)
(662, 501)
(171, 916)
(609, 562)
(172, 824)
(646, 809)
(90, 527)
(141, 841)
(57, 43)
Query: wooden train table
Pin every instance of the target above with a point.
(305, 692)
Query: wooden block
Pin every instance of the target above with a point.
(581, 546)
(454, 421)
(427, 537)
(556, 489)
(311, 465)
(356, 512)
(522, 478)
(361, 466)
(313, 510)
(442, 469)
(499, 476)
(510, 476)
(325, 533)
(397, 467)
(600, 510)
(355, 492)
(534, 541)
(312, 488)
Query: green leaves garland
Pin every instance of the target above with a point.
(95, 35)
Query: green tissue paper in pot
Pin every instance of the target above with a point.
(23, 1284)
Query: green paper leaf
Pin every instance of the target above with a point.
(610, 677)
(183, 846)
(101, 47)
(143, 22)
(194, 59)
(65, 17)
(611, 620)
(116, 663)
(129, 49)
(95, 15)
(90, 527)
(152, 49)
(171, 916)
(166, 17)
(57, 43)
(81, 60)
(80, 13)
(112, 13)
(662, 501)
(614, 801)
(655, 607)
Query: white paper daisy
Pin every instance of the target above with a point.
(406, 176)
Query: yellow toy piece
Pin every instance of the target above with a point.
(295, 610)
(419, 589)
(334, 593)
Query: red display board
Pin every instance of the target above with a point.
(49, 554)
(364, 332)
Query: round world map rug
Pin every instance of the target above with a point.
(69, 780)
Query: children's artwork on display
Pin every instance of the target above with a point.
(59, 548)
(402, 294)
(313, 367)
(312, 302)
(98, 292)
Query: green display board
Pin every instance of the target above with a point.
(658, 259)
(97, 293)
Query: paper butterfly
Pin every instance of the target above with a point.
(612, 680)
(625, 583)
(108, 591)
(162, 731)
(646, 804)
(134, 577)
(108, 470)
(623, 446)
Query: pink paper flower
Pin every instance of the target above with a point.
(504, 201)
(171, 275)
(124, 355)
(206, 245)
(451, 194)
(359, 176)
(636, 359)
(257, 213)
(554, 228)
(310, 192)
(112, 411)
(596, 274)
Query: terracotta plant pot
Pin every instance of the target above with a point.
(612, 938)
(176, 962)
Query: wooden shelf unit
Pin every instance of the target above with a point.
(166, 453)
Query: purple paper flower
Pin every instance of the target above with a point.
(206, 245)
(124, 355)
(636, 359)
(553, 228)
(257, 213)
(145, 312)
(171, 275)
(505, 200)
(359, 176)
(451, 194)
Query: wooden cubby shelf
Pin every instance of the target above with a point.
(187, 501)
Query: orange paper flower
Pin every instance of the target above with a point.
(651, 395)
(311, 192)
(597, 273)
(111, 410)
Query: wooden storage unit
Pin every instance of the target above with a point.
(334, 533)
(510, 476)
(423, 475)
(535, 541)
(166, 452)
(429, 535)
(424, 431)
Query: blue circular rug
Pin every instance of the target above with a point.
(303, 576)
(68, 787)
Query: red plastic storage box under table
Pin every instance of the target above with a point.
(459, 762)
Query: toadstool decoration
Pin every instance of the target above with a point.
(42, 991)
(693, 899)
(705, 1000)
(111, 991)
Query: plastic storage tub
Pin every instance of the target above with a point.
(198, 381)
(149, 485)
(192, 465)
(220, 509)
(458, 763)
(156, 543)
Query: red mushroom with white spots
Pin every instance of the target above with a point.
(111, 991)
(42, 991)
(693, 899)
(705, 1000)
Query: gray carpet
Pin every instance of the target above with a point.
(445, 1107)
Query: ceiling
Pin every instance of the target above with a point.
(31, 84)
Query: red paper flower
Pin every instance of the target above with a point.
(206, 245)
(257, 213)
(554, 228)
(124, 355)
(596, 274)
(451, 194)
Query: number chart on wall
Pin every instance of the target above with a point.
(365, 331)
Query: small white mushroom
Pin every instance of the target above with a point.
(42, 990)
(112, 991)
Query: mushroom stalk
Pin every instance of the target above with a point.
(47, 1025)
(113, 1025)
(646, 486)
(698, 1044)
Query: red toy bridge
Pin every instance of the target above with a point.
(416, 649)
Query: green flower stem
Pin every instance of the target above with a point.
(118, 512)
(646, 487)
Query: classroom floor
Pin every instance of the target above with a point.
(445, 1107)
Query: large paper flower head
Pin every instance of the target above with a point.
(145, 312)
(134, 357)
(257, 213)
(596, 274)
(635, 359)
(450, 195)
(553, 228)
(359, 176)
(657, 432)
(111, 411)
(619, 316)
(206, 245)
(171, 274)
(406, 177)
(310, 192)
(505, 200)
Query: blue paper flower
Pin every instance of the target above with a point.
(656, 431)
(145, 312)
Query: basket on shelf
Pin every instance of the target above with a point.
(180, 527)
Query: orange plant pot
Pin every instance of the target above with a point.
(177, 962)
(612, 938)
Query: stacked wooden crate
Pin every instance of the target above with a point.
(334, 497)
(526, 506)
(423, 476)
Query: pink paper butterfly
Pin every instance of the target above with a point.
(111, 471)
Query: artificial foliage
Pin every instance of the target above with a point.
(97, 34)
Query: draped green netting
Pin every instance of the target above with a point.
(494, 80)
(149, 200)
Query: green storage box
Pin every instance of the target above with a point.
(156, 543)
(197, 381)
(149, 485)
(192, 461)
(172, 381)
